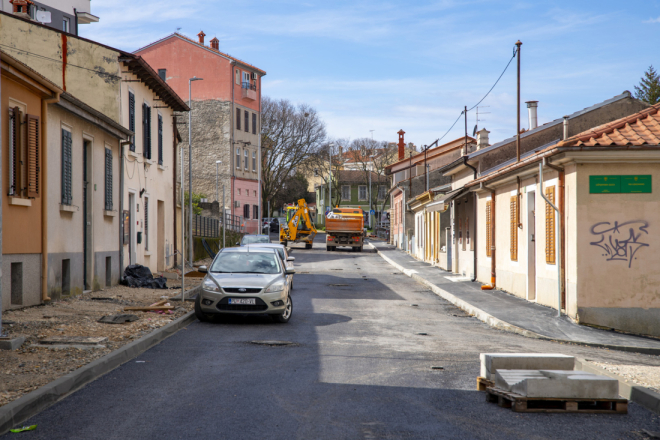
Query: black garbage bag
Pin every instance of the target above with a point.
(137, 275)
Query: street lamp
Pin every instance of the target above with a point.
(218, 162)
(190, 211)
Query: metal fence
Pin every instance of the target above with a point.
(211, 227)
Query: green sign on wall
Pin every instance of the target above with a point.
(620, 184)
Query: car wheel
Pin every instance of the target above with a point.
(284, 317)
(203, 317)
(308, 245)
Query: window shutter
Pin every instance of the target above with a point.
(131, 118)
(160, 140)
(14, 140)
(247, 121)
(146, 223)
(33, 154)
(489, 229)
(550, 226)
(238, 119)
(108, 179)
(66, 167)
(254, 123)
(514, 228)
(148, 146)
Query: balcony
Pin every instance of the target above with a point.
(249, 90)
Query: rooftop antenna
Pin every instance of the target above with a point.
(178, 29)
(476, 126)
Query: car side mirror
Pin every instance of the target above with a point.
(290, 271)
(202, 269)
(290, 258)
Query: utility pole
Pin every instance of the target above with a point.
(465, 113)
(518, 43)
(190, 195)
(330, 176)
(224, 217)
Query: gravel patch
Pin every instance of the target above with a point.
(644, 375)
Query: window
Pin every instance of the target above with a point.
(254, 123)
(255, 211)
(550, 226)
(160, 139)
(460, 231)
(238, 119)
(382, 191)
(246, 211)
(362, 192)
(239, 191)
(246, 159)
(146, 130)
(514, 228)
(66, 167)
(108, 179)
(163, 74)
(238, 158)
(238, 76)
(146, 223)
(14, 148)
(489, 228)
(247, 121)
(246, 80)
(255, 192)
(346, 192)
(254, 161)
(66, 25)
(131, 117)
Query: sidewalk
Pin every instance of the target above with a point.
(507, 312)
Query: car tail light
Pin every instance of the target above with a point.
(330, 238)
(356, 238)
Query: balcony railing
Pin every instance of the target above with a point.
(249, 86)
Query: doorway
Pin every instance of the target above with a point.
(160, 234)
(131, 247)
(531, 247)
(87, 216)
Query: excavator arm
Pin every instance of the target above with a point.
(299, 228)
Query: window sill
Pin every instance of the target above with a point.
(110, 213)
(68, 208)
(147, 253)
(18, 201)
(133, 154)
(148, 161)
(161, 167)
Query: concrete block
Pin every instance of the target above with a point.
(557, 384)
(11, 343)
(491, 362)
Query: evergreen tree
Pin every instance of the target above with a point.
(649, 87)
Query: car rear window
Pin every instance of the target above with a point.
(246, 262)
(248, 239)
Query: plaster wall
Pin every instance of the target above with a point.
(31, 268)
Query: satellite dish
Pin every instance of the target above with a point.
(474, 132)
(43, 16)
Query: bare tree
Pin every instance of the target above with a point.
(289, 134)
(319, 165)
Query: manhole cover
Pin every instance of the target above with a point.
(272, 343)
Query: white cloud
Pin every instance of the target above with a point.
(652, 20)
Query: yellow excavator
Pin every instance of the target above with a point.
(298, 227)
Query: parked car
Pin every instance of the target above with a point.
(254, 238)
(282, 252)
(248, 281)
(274, 225)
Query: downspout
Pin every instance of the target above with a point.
(403, 213)
(562, 226)
(174, 156)
(232, 78)
(559, 238)
(493, 252)
(44, 194)
(122, 144)
(474, 205)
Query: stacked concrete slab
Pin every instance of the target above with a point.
(491, 362)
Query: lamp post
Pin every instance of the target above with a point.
(190, 194)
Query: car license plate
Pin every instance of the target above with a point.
(243, 301)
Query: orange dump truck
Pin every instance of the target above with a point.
(344, 227)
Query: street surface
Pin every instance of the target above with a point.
(356, 369)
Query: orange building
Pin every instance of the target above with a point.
(226, 106)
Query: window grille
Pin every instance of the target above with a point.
(489, 229)
(514, 228)
(550, 255)
(66, 167)
(108, 179)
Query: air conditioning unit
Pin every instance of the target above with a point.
(253, 75)
(237, 204)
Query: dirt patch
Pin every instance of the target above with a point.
(30, 367)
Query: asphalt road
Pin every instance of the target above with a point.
(356, 369)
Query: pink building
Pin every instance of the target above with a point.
(225, 109)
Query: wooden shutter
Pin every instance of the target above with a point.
(160, 140)
(108, 179)
(247, 121)
(254, 123)
(66, 167)
(550, 226)
(514, 228)
(131, 118)
(33, 155)
(148, 132)
(14, 142)
(238, 119)
(489, 229)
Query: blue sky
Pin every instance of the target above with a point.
(384, 65)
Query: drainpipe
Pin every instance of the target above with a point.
(474, 206)
(232, 76)
(174, 157)
(562, 226)
(493, 254)
(44, 194)
(559, 236)
(403, 214)
(122, 144)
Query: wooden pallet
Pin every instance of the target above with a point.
(520, 403)
(483, 383)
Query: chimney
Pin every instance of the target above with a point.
(482, 139)
(565, 128)
(201, 36)
(531, 110)
(215, 44)
(21, 8)
(402, 145)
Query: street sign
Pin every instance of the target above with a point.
(604, 184)
(636, 184)
(372, 212)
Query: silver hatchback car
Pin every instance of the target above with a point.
(246, 280)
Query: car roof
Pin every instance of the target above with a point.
(247, 249)
(265, 245)
(256, 235)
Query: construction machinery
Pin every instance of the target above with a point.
(298, 227)
(345, 227)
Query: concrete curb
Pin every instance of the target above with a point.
(638, 394)
(503, 325)
(20, 410)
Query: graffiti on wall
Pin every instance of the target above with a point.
(620, 241)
